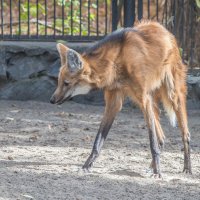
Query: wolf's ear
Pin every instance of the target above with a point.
(62, 49)
(70, 57)
(74, 62)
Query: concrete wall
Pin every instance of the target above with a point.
(28, 71)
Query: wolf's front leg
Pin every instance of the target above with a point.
(113, 100)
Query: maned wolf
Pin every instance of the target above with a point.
(141, 62)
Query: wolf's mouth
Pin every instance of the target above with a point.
(59, 102)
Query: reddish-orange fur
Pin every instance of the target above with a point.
(147, 67)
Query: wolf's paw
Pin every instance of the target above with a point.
(87, 168)
(187, 170)
(157, 176)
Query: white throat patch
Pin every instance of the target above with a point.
(81, 89)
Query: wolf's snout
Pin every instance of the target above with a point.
(53, 100)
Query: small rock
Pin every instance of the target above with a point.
(61, 114)
(33, 138)
(10, 158)
(27, 196)
(10, 118)
(14, 111)
(87, 138)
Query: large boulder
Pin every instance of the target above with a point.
(3, 66)
(197, 90)
(38, 89)
(193, 83)
(23, 63)
(94, 98)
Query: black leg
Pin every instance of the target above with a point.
(100, 138)
(114, 101)
(187, 161)
(155, 151)
(181, 114)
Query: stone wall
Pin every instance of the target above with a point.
(28, 71)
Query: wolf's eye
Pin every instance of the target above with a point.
(66, 83)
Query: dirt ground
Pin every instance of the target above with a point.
(43, 146)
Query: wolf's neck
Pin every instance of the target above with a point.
(102, 64)
(103, 72)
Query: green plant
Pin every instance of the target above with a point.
(75, 21)
(32, 10)
(73, 16)
(198, 3)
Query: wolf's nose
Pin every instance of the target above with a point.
(52, 100)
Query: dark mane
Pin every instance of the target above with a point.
(115, 37)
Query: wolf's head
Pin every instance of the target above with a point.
(73, 78)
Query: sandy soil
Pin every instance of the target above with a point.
(43, 146)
